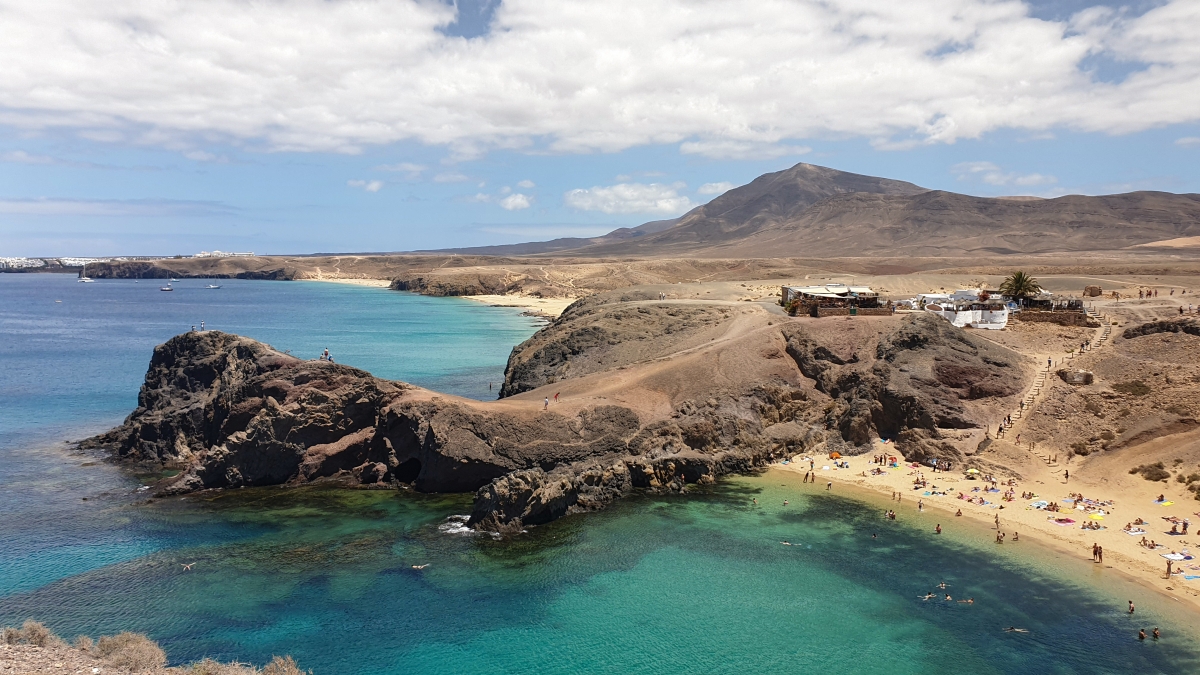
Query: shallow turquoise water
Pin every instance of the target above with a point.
(656, 584)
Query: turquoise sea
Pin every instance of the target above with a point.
(656, 584)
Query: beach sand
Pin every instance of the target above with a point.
(547, 307)
(376, 283)
(1122, 552)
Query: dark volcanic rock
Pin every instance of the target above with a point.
(1188, 326)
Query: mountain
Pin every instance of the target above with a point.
(814, 211)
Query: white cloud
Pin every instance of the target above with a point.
(653, 198)
(1188, 141)
(22, 157)
(366, 185)
(527, 184)
(109, 207)
(742, 149)
(991, 174)
(450, 177)
(411, 171)
(715, 188)
(516, 202)
(731, 80)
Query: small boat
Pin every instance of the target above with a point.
(212, 286)
(166, 288)
(86, 280)
(173, 279)
(58, 300)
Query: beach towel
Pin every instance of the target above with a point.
(1096, 516)
(1172, 556)
(1190, 577)
(1167, 503)
(1062, 521)
(1135, 533)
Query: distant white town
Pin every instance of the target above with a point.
(36, 263)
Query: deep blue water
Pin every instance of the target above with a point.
(655, 584)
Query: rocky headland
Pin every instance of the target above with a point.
(655, 395)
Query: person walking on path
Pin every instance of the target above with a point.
(556, 397)
(547, 405)
(1066, 475)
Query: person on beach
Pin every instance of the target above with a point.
(556, 397)
(1066, 475)
(1142, 634)
(1015, 537)
(547, 405)
(938, 529)
(920, 505)
(1169, 564)
(1131, 607)
(997, 521)
(1100, 553)
(1095, 552)
(1155, 633)
(829, 485)
(959, 512)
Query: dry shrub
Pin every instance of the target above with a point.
(84, 643)
(1155, 471)
(132, 651)
(36, 634)
(210, 667)
(1133, 388)
(11, 636)
(284, 665)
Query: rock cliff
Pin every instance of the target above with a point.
(230, 412)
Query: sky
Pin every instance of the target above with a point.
(131, 127)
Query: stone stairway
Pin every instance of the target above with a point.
(1039, 382)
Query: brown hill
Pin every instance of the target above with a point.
(814, 211)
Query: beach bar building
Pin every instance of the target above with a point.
(831, 299)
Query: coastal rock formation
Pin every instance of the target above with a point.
(164, 269)
(233, 412)
(228, 411)
(602, 332)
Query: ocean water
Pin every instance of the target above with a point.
(656, 584)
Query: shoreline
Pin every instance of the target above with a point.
(549, 308)
(374, 283)
(1069, 541)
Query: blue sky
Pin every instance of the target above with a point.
(135, 128)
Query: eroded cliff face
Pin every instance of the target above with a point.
(231, 412)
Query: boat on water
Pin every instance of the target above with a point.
(86, 280)
(213, 286)
(173, 280)
(166, 288)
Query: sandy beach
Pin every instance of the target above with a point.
(1122, 551)
(375, 283)
(550, 308)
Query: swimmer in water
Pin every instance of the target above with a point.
(928, 596)
(948, 598)
(943, 585)
(786, 543)
(1014, 629)
(968, 601)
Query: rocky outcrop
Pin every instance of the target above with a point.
(602, 332)
(1076, 377)
(465, 283)
(911, 384)
(228, 411)
(163, 269)
(1189, 326)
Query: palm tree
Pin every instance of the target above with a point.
(1020, 286)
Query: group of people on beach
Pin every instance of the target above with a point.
(326, 356)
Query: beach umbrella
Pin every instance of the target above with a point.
(972, 470)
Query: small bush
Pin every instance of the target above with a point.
(36, 634)
(284, 665)
(1133, 388)
(84, 643)
(11, 636)
(132, 651)
(1155, 471)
